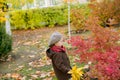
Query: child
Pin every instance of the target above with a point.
(57, 54)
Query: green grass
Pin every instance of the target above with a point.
(7, 79)
(26, 71)
(46, 68)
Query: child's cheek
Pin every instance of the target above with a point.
(60, 43)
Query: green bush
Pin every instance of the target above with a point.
(43, 17)
(5, 41)
(37, 18)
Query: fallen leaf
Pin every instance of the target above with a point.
(38, 72)
(16, 76)
(8, 75)
(27, 43)
(30, 69)
(22, 56)
(23, 78)
(39, 63)
(48, 78)
(19, 68)
(34, 76)
(9, 58)
(31, 56)
(52, 73)
(43, 75)
(0, 75)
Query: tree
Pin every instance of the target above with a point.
(5, 39)
(106, 10)
(3, 8)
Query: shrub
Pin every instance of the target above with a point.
(17, 19)
(5, 41)
(79, 16)
(36, 18)
(44, 17)
(105, 10)
(102, 49)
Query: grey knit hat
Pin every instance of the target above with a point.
(54, 38)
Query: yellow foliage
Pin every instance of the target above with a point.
(69, 1)
(2, 19)
(2, 0)
(2, 14)
(45, 58)
(76, 73)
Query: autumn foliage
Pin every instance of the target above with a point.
(102, 49)
(105, 10)
(2, 14)
(79, 16)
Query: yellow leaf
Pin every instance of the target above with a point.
(44, 58)
(76, 73)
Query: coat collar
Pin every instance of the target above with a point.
(58, 48)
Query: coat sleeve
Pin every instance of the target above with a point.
(58, 61)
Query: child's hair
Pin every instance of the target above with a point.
(54, 38)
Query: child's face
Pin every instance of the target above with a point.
(60, 43)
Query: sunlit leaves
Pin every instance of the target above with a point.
(76, 73)
(105, 10)
(2, 8)
(2, 17)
